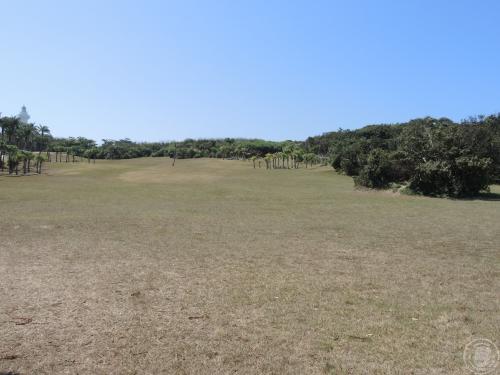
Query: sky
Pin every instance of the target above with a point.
(169, 70)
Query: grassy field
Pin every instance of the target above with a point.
(135, 267)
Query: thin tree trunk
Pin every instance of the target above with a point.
(175, 154)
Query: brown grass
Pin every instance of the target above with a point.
(213, 267)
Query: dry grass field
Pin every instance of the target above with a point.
(213, 267)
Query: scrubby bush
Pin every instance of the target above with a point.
(432, 156)
(378, 170)
(471, 175)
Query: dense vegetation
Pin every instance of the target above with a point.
(187, 149)
(427, 156)
(272, 155)
(19, 143)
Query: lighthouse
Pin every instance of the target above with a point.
(23, 115)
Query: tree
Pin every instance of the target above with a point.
(26, 157)
(29, 157)
(25, 134)
(91, 154)
(9, 129)
(13, 157)
(43, 130)
(377, 173)
(446, 158)
(268, 159)
(253, 158)
(3, 150)
(39, 159)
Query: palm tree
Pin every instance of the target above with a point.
(311, 159)
(3, 125)
(280, 156)
(75, 150)
(29, 156)
(23, 157)
(3, 150)
(13, 155)
(287, 152)
(39, 159)
(297, 157)
(87, 154)
(253, 158)
(307, 158)
(91, 153)
(268, 159)
(44, 130)
(59, 151)
(25, 133)
(9, 128)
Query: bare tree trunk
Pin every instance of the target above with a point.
(175, 154)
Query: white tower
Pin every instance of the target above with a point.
(23, 115)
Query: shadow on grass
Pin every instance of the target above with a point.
(493, 197)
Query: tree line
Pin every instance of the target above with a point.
(427, 156)
(228, 148)
(21, 146)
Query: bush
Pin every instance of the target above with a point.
(432, 178)
(471, 175)
(378, 171)
(466, 176)
(349, 166)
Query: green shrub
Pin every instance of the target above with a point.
(378, 171)
(432, 178)
(471, 175)
(465, 176)
(349, 166)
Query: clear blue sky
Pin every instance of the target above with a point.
(162, 70)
